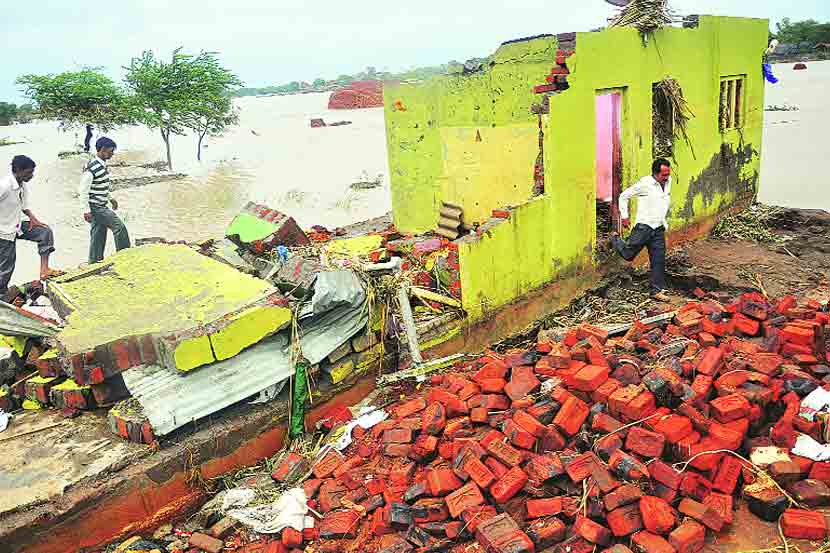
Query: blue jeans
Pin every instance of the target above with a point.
(103, 218)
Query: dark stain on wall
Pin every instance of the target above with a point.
(723, 176)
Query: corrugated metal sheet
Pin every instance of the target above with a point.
(15, 323)
(171, 400)
(325, 333)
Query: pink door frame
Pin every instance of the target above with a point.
(609, 148)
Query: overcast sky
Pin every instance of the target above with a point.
(275, 41)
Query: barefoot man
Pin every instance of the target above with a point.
(653, 195)
(94, 192)
(14, 203)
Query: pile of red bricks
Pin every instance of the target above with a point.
(588, 442)
(359, 94)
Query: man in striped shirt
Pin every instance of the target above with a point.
(94, 192)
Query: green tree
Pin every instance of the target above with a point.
(77, 98)
(809, 30)
(25, 113)
(8, 113)
(319, 82)
(182, 93)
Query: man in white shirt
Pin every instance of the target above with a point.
(653, 195)
(14, 203)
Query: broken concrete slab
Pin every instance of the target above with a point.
(161, 303)
(259, 229)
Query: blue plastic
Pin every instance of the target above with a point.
(768, 75)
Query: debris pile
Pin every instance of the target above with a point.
(639, 437)
(359, 94)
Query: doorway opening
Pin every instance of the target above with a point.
(609, 162)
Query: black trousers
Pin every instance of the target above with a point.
(643, 236)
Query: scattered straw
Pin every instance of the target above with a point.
(754, 224)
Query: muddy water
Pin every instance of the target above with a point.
(273, 157)
(796, 151)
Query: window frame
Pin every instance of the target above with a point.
(732, 103)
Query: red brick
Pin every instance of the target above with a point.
(424, 447)
(508, 485)
(505, 453)
(722, 504)
(479, 472)
(397, 436)
(496, 467)
(689, 537)
(529, 423)
(397, 450)
(729, 408)
(495, 529)
(607, 388)
(339, 524)
(463, 498)
(479, 415)
(546, 532)
(410, 408)
(627, 467)
(442, 481)
(695, 486)
(473, 516)
(603, 479)
(571, 416)
(582, 467)
(496, 402)
(640, 407)
(622, 496)
(590, 377)
(820, 471)
(804, 525)
(645, 443)
(592, 531)
(434, 419)
(522, 382)
(544, 467)
(704, 514)
(292, 538)
(625, 520)
(658, 516)
(606, 446)
(729, 437)
(549, 506)
(727, 475)
(551, 440)
(646, 542)
(620, 398)
(710, 360)
(451, 402)
(291, 467)
(798, 335)
(674, 428)
(206, 543)
(493, 369)
(492, 385)
(518, 436)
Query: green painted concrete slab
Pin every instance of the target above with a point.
(190, 304)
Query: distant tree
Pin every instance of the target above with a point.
(25, 113)
(796, 32)
(78, 98)
(371, 73)
(8, 113)
(211, 117)
(318, 82)
(344, 80)
(174, 95)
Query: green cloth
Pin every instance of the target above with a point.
(298, 399)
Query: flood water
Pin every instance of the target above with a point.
(275, 157)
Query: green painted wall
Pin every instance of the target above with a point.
(466, 140)
(554, 235)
